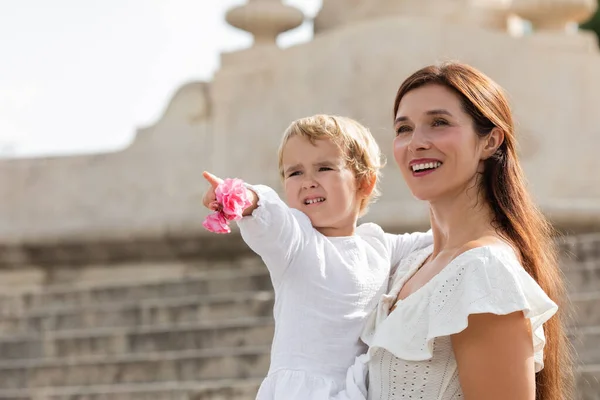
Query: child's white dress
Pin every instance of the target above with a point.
(324, 289)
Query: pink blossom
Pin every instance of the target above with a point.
(217, 223)
(233, 197)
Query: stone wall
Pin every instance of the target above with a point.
(232, 127)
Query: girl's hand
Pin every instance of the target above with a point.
(210, 198)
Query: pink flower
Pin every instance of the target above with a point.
(233, 197)
(217, 223)
(232, 200)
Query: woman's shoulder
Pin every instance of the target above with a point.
(488, 251)
(487, 245)
(484, 253)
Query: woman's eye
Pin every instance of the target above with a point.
(403, 129)
(439, 122)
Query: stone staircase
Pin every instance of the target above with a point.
(195, 329)
(201, 331)
(581, 265)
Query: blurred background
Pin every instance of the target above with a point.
(130, 54)
(109, 111)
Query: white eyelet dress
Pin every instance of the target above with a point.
(410, 354)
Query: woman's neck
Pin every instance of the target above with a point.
(460, 219)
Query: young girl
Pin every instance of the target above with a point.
(327, 273)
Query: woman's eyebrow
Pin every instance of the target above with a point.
(430, 112)
(438, 112)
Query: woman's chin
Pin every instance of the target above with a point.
(422, 195)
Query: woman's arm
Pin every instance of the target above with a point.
(495, 357)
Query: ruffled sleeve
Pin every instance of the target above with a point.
(482, 280)
(274, 231)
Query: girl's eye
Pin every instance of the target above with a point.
(403, 129)
(439, 122)
(294, 174)
(324, 169)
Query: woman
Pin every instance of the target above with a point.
(466, 317)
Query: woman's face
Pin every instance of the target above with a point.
(436, 147)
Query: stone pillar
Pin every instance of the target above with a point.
(265, 19)
(553, 20)
(554, 15)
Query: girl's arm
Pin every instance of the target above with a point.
(402, 245)
(270, 228)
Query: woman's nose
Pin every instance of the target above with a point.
(419, 141)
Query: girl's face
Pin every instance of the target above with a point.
(318, 182)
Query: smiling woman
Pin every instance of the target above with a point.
(473, 315)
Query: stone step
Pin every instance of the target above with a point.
(583, 247)
(588, 382)
(588, 388)
(160, 311)
(107, 341)
(203, 283)
(185, 310)
(585, 309)
(583, 276)
(586, 342)
(191, 309)
(189, 365)
(224, 389)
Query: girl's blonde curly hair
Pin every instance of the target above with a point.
(355, 141)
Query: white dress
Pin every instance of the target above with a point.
(410, 354)
(325, 287)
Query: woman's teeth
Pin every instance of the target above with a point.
(429, 165)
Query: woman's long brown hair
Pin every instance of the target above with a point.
(515, 214)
